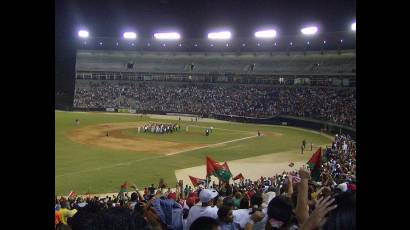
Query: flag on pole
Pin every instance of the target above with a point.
(124, 187)
(239, 176)
(314, 164)
(222, 172)
(72, 194)
(196, 181)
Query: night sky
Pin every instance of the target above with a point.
(193, 19)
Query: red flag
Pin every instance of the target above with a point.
(218, 170)
(239, 176)
(72, 194)
(211, 166)
(315, 163)
(124, 186)
(196, 181)
(316, 158)
(226, 167)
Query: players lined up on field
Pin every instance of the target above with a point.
(159, 128)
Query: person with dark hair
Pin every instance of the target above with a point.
(204, 223)
(241, 216)
(280, 214)
(228, 201)
(225, 218)
(344, 215)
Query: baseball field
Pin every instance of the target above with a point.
(87, 160)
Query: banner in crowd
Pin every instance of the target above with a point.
(110, 109)
(315, 163)
(196, 181)
(239, 176)
(222, 172)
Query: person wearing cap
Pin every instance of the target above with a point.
(207, 208)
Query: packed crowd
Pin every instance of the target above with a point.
(160, 128)
(336, 105)
(290, 200)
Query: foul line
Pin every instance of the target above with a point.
(222, 129)
(212, 145)
(150, 158)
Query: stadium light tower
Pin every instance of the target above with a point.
(83, 34)
(167, 36)
(265, 34)
(222, 35)
(353, 26)
(129, 35)
(311, 30)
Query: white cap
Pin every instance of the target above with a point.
(207, 194)
(343, 187)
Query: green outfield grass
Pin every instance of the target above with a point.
(84, 168)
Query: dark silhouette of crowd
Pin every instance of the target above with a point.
(336, 105)
(290, 200)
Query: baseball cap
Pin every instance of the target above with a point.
(342, 187)
(207, 194)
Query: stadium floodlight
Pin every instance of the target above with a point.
(353, 26)
(129, 35)
(167, 36)
(265, 34)
(311, 30)
(223, 35)
(83, 34)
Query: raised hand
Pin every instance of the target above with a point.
(317, 218)
(304, 173)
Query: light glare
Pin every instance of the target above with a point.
(129, 35)
(224, 35)
(83, 34)
(265, 34)
(167, 36)
(309, 30)
(353, 27)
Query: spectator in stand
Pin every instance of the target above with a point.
(207, 209)
(284, 201)
(337, 105)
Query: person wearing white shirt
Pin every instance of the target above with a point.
(241, 216)
(207, 208)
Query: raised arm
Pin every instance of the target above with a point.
(302, 207)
